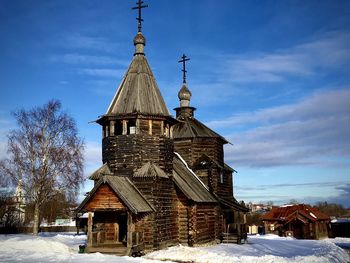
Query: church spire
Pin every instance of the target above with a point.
(139, 18)
(183, 60)
(184, 94)
(138, 92)
(139, 40)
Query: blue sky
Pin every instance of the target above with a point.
(273, 77)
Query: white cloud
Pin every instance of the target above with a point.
(92, 156)
(5, 127)
(283, 193)
(314, 130)
(330, 51)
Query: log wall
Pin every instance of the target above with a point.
(198, 223)
(225, 189)
(127, 153)
(206, 223)
(182, 221)
(160, 192)
(193, 149)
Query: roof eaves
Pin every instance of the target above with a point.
(189, 169)
(125, 200)
(87, 198)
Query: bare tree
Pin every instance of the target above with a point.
(331, 209)
(46, 153)
(7, 210)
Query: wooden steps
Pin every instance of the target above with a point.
(114, 249)
(230, 238)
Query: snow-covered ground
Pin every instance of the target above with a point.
(64, 248)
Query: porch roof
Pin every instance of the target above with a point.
(125, 190)
(189, 183)
(233, 204)
(103, 170)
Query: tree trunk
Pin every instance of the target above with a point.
(36, 219)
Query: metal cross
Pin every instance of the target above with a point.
(183, 61)
(139, 19)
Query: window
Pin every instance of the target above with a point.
(118, 128)
(105, 131)
(221, 177)
(132, 130)
(131, 127)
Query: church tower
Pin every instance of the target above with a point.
(201, 147)
(137, 127)
(137, 143)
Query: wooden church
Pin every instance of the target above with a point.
(163, 180)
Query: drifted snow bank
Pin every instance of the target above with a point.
(64, 248)
(53, 248)
(261, 249)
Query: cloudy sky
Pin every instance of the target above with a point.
(273, 77)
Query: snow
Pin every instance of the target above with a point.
(340, 221)
(63, 247)
(312, 215)
(189, 169)
(269, 248)
(53, 248)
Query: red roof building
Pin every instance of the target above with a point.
(300, 221)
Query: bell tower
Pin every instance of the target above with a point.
(137, 127)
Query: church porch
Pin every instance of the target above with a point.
(112, 232)
(112, 206)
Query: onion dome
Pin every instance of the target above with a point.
(184, 96)
(139, 43)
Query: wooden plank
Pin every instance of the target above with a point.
(104, 198)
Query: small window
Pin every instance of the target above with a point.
(132, 130)
(131, 127)
(118, 128)
(166, 132)
(105, 131)
(221, 177)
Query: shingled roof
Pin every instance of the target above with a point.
(288, 212)
(103, 170)
(232, 203)
(189, 127)
(138, 91)
(150, 170)
(193, 188)
(125, 190)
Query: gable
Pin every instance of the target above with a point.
(104, 199)
(119, 191)
(205, 161)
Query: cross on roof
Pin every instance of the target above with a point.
(183, 61)
(139, 19)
